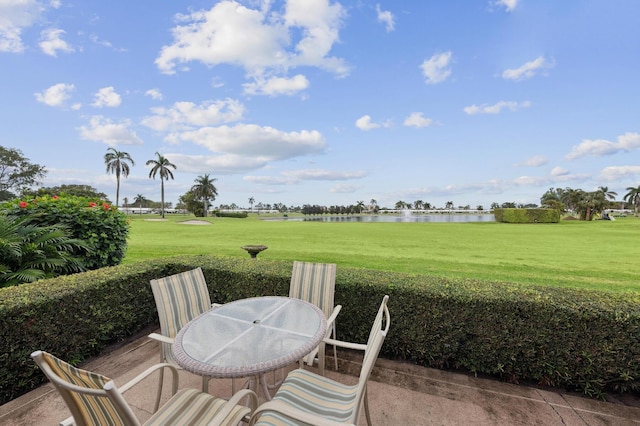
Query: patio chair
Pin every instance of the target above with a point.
(308, 398)
(179, 298)
(315, 283)
(94, 399)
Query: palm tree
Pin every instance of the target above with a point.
(205, 189)
(117, 162)
(359, 206)
(633, 197)
(610, 195)
(161, 166)
(418, 204)
(139, 200)
(251, 201)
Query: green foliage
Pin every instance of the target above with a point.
(29, 252)
(102, 228)
(74, 190)
(576, 339)
(527, 215)
(237, 215)
(17, 173)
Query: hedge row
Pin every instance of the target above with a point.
(527, 215)
(582, 340)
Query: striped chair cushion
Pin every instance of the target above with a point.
(190, 407)
(179, 298)
(314, 394)
(95, 410)
(315, 283)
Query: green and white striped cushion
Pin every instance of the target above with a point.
(95, 410)
(179, 298)
(190, 407)
(314, 394)
(315, 283)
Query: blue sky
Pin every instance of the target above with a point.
(328, 102)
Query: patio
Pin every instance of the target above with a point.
(399, 394)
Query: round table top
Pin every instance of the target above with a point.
(249, 337)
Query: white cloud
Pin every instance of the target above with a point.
(386, 18)
(535, 161)
(258, 39)
(343, 188)
(417, 120)
(270, 180)
(509, 5)
(364, 123)
(619, 172)
(108, 97)
(257, 142)
(527, 70)
(496, 108)
(222, 163)
(559, 171)
(101, 129)
(55, 95)
(320, 174)
(436, 69)
(15, 16)
(187, 115)
(277, 85)
(51, 42)
(602, 147)
(154, 94)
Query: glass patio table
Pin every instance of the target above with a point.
(249, 337)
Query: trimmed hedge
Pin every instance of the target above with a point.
(588, 341)
(527, 215)
(236, 215)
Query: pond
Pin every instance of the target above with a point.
(455, 217)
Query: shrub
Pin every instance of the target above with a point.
(237, 215)
(576, 339)
(527, 215)
(102, 228)
(29, 252)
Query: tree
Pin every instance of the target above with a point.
(139, 200)
(72, 189)
(17, 173)
(191, 203)
(633, 197)
(205, 189)
(161, 166)
(609, 195)
(251, 201)
(117, 162)
(448, 205)
(359, 206)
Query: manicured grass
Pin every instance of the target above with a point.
(600, 255)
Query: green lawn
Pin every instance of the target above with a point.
(597, 255)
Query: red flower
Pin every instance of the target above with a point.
(23, 204)
(92, 204)
(105, 206)
(55, 197)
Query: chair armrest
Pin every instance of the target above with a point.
(232, 403)
(294, 413)
(161, 338)
(332, 317)
(147, 372)
(343, 344)
(216, 305)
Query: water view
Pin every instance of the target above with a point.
(487, 217)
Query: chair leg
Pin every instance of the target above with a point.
(205, 384)
(366, 407)
(160, 382)
(335, 351)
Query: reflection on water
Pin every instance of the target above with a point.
(402, 218)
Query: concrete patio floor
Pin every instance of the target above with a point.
(399, 394)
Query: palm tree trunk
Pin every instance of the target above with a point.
(162, 196)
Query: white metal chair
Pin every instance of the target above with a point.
(306, 398)
(315, 283)
(179, 298)
(94, 399)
